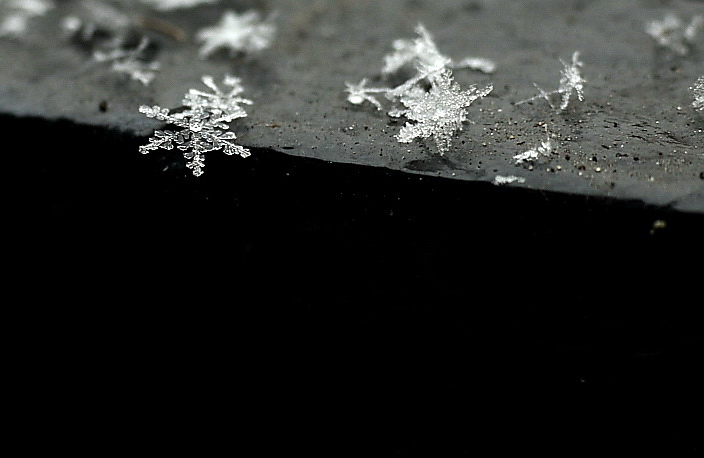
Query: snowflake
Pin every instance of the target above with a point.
(170, 5)
(203, 124)
(430, 99)
(698, 91)
(544, 149)
(245, 32)
(440, 112)
(16, 23)
(673, 34)
(570, 81)
(127, 61)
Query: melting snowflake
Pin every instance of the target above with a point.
(434, 104)
(203, 125)
(698, 91)
(545, 148)
(127, 61)
(672, 33)
(502, 180)
(570, 81)
(245, 32)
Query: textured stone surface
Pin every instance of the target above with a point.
(635, 137)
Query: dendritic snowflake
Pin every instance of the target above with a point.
(203, 125)
(698, 91)
(431, 100)
(18, 13)
(246, 32)
(128, 61)
(571, 80)
(672, 33)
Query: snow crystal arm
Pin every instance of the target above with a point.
(359, 93)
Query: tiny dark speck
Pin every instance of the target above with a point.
(103, 106)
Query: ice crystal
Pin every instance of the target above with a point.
(203, 124)
(169, 5)
(128, 61)
(698, 91)
(246, 32)
(432, 102)
(571, 80)
(15, 22)
(672, 33)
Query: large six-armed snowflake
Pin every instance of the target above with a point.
(203, 124)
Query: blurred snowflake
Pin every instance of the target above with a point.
(169, 5)
(246, 32)
(672, 33)
(203, 125)
(128, 61)
(16, 15)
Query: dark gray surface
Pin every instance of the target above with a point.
(636, 135)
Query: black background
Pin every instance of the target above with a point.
(281, 305)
